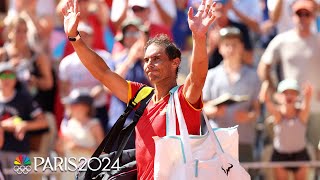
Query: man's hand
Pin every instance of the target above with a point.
(199, 24)
(307, 91)
(70, 11)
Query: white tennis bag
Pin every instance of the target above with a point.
(190, 157)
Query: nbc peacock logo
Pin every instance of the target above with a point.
(22, 164)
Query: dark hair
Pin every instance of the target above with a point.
(171, 49)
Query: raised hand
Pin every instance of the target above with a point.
(70, 11)
(200, 23)
(307, 91)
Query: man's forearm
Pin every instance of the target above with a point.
(198, 70)
(199, 58)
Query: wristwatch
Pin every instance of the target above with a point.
(75, 38)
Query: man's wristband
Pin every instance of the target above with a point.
(75, 38)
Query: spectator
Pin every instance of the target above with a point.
(81, 134)
(40, 21)
(300, 62)
(129, 64)
(157, 15)
(289, 123)
(223, 21)
(19, 116)
(128, 61)
(234, 78)
(73, 75)
(33, 68)
(280, 15)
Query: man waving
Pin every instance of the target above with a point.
(161, 62)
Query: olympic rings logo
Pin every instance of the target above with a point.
(22, 169)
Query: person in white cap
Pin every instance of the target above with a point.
(297, 53)
(290, 126)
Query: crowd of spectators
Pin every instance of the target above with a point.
(49, 102)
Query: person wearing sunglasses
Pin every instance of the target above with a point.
(157, 15)
(297, 50)
(19, 117)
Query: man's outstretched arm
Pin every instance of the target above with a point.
(199, 25)
(93, 62)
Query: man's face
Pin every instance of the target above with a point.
(157, 65)
(303, 18)
(231, 48)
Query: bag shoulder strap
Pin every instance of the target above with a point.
(126, 132)
(106, 145)
(108, 141)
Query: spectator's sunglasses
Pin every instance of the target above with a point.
(136, 9)
(132, 34)
(303, 14)
(8, 75)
